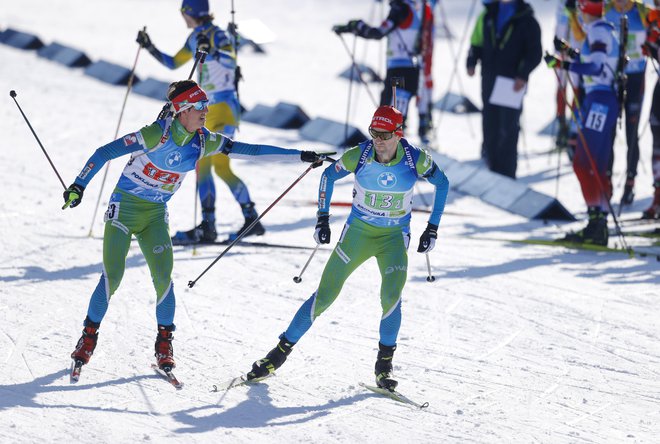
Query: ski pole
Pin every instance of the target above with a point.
(200, 56)
(121, 115)
(192, 283)
(454, 73)
(12, 93)
(358, 70)
(430, 277)
(350, 92)
(298, 279)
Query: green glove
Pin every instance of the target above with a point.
(554, 62)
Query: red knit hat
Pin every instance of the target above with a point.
(388, 118)
(591, 7)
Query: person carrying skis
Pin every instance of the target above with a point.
(402, 28)
(161, 155)
(386, 169)
(598, 61)
(651, 46)
(217, 75)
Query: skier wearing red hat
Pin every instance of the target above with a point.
(386, 169)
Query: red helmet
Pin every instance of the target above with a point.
(388, 118)
(591, 7)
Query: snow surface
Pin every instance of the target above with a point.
(511, 343)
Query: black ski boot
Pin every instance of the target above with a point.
(87, 342)
(204, 233)
(383, 368)
(250, 215)
(164, 350)
(273, 360)
(595, 233)
(628, 191)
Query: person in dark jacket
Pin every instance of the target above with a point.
(507, 41)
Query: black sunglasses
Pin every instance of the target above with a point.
(382, 135)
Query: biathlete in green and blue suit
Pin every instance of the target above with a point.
(161, 155)
(386, 169)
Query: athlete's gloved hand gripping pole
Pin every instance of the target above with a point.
(316, 160)
(13, 94)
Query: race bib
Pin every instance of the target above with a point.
(112, 213)
(597, 117)
(384, 201)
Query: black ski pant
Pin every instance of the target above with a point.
(633, 108)
(501, 127)
(655, 131)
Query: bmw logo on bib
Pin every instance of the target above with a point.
(174, 159)
(387, 180)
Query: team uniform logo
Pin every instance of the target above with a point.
(88, 168)
(387, 179)
(130, 139)
(173, 159)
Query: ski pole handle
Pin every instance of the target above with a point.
(200, 57)
(298, 279)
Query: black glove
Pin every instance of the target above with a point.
(203, 43)
(316, 159)
(570, 5)
(351, 27)
(322, 233)
(73, 195)
(562, 45)
(427, 239)
(144, 40)
(340, 29)
(232, 29)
